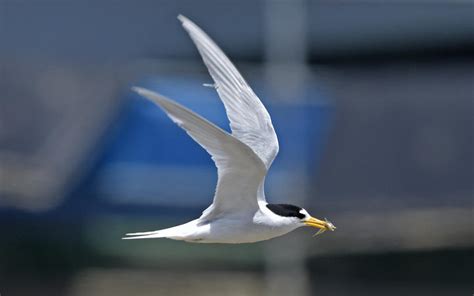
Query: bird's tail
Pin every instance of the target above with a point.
(141, 235)
(176, 232)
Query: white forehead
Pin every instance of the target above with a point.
(304, 212)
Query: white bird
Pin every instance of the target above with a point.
(239, 212)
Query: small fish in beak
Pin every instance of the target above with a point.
(322, 225)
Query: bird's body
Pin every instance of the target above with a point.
(243, 227)
(239, 212)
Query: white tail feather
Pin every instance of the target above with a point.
(153, 234)
(143, 233)
(179, 232)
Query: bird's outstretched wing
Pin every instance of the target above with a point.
(249, 120)
(240, 171)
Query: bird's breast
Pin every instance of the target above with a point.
(240, 231)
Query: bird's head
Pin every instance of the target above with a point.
(301, 217)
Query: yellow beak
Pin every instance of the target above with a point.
(323, 225)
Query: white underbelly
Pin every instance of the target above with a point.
(234, 232)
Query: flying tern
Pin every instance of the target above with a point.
(239, 212)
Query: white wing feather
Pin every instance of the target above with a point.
(249, 120)
(240, 171)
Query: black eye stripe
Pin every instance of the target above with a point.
(286, 210)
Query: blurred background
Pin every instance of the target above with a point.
(372, 102)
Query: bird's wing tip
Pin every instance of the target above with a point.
(139, 90)
(149, 94)
(182, 18)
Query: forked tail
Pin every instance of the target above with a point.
(177, 232)
(142, 235)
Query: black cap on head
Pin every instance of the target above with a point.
(286, 210)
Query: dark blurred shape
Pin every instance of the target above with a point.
(52, 116)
